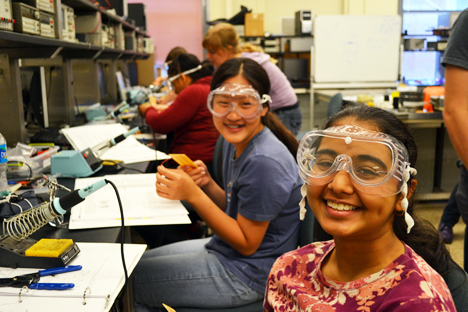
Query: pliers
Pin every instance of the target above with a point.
(31, 280)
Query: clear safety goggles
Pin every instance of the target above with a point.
(171, 79)
(244, 99)
(376, 162)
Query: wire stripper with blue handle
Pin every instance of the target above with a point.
(32, 280)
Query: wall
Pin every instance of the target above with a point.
(180, 22)
(275, 9)
(174, 23)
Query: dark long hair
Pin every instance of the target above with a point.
(258, 78)
(187, 61)
(424, 238)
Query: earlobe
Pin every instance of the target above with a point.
(186, 79)
(411, 188)
(398, 208)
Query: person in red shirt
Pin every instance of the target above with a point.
(188, 116)
(193, 133)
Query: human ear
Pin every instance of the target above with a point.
(411, 189)
(186, 80)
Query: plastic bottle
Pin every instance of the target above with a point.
(4, 189)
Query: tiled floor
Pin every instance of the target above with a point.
(432, 211)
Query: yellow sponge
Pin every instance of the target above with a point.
(51, 248)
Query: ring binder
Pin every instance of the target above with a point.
(19, 295)
(84, 295)
(107, 301)
(97, 285)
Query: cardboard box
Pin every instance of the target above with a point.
(145, 71)
(253, 24)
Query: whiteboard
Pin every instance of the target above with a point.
(356, 48)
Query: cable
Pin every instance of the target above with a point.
(21, 163)
(122, 239)
(98, 24)
(50, 82)
(138, 170)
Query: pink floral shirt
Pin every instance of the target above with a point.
(296, 283)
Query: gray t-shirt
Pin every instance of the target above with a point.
(263, 184)
(456, 52)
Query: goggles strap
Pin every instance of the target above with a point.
(266, 98)
(192, 70)
(303, 210)
(404, 191)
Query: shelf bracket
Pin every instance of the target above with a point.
(97, 54)
(54, 55)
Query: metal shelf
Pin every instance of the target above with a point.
(19, 45)
(88, 6)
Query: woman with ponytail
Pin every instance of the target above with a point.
(254, 215)
(359, 178)
(187, 117)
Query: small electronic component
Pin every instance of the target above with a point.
(183, 160)
(6, 15)
(27, 19)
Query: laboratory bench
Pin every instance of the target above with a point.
(70, 72)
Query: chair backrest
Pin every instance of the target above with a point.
(457, 281)
(218, 161)
(311, 231)
(334, 105)
(306, 232)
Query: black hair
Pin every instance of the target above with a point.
(187, 61)
(424, 238)
(258, 78)
(174, 53)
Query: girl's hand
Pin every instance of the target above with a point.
(201, 176)
(142, 108)
(175, 184)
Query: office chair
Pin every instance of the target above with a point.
(334, 105)
(217, 172)
(457, 281)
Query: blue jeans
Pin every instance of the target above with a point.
(451, 214)
(462, 203)
(185, 274)
(291, 118)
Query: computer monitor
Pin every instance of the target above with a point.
(296, 70)
(37, 98)
(102, 82)
(422, 68)
(121, 86)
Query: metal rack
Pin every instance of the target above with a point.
(19, 51)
